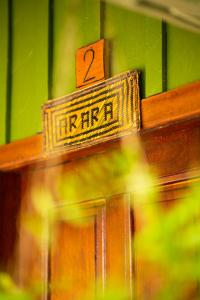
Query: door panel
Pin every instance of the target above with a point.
(102, 249)
(84, 257)
(99, 251)
(72, 269)
(118, 241)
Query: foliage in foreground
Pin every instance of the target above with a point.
(166, 247)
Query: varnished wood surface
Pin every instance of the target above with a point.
(103, 249)
(173, 151)
(32, 247)
(10, 193)
(119, 246)
(160, 110)
(78, 255)
(73, 263)
(21, 152)
(168, 107)
(90, 62)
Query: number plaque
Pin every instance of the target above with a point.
(104, 111)
(90, 64)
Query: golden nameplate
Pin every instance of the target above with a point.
(101, 112)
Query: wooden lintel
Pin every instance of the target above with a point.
(21, 152)
(159, 110)
(178, 104)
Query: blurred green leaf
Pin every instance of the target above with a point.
(9, 290)
(42, 201)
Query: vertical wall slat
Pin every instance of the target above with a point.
(43, 38)
(136, 42)
(76, 23)
(3, 67)
(183, 56)
(153, 50)
(29, 66)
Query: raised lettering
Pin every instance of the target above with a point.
(72, 120)
(94, 113)
(108, 111)
(85, 119)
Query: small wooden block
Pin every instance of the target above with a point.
(90, 64)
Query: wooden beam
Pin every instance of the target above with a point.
(157, 111)
(168, 107)
(21, 152)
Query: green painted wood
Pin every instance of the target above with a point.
(29, 66)
(44, 46)
(3, 67)
(135, 42)
(183, 57)
(76, 23)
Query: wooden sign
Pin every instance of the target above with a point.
(90, 64)
(101, 112)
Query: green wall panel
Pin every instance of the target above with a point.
(136, 42)
(29, 66)
(76, 23)
(183, 57)
(3, 67)
(37, 55)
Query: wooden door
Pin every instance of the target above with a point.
(102, 248)
(86, 258)
(88, 252)
(91, 255)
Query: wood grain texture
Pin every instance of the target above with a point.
(32, 244)
(102, 249)
(173, 149)
(16, 153)
(100, 230)
(10, 191)
(73, 263)
(174, 142)
(168, 107)
(161, 110)
(79, 255)
(170, 138)
(119, 268)
(90, 64)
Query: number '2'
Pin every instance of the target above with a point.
(86, 78)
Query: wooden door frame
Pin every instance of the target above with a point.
(170, 126)
(163, 116)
